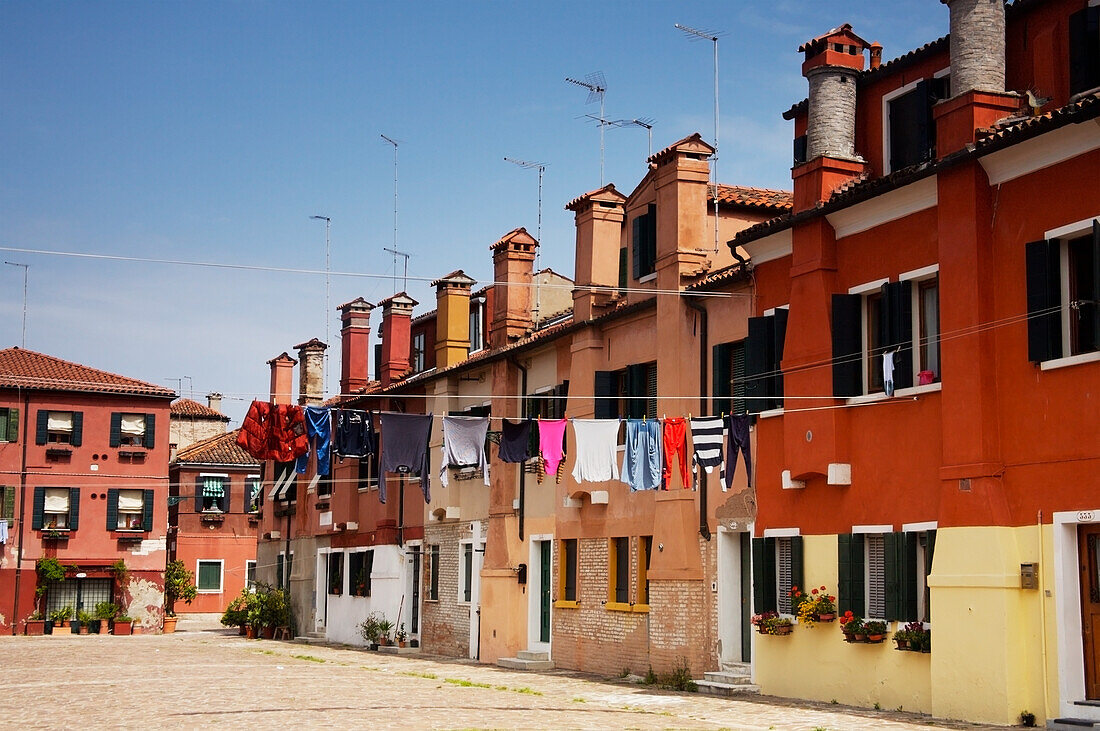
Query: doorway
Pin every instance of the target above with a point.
(1088, 538)
(734, 596)
(539, 593)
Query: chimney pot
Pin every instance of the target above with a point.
(311, 379)
(876, 55)
(354, 344)
(452, 319)
(282, 378)
(977, 45)
(513, 271)
(396, 335)
(214, 401)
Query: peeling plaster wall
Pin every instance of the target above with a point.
(146, 603)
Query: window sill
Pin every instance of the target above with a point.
(652, 276)
(618, 607)
(871, 398)
(566, 604)
(128, 534)
(769, 413)
(1053, 365)
(209, 591)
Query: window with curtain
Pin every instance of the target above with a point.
(56, 508)
(131, 507)
(132, 430)
(214, 488)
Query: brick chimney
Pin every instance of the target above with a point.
(214, 401)
(354, 344)
(599, 220)
(396, 335)
(452, 320)
(513, 269)
(978, 98)
(311, 375)
(832, 66)
(681, 184)
(282, 378)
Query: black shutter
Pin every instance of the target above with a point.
(723, 384)
(116, 429)
(800, 149)
(926, 124)
(636, 247)
(198, 494)
(13, 425)
(636, 390)
(896, 329)
(758, 353)
(622, 267)
(77, 436)
(602, 390)
(650, 236)
(892, 573)
(1084, 50)
(907, 603)
(150, 430)
(779, 335)
(40, 436)
(850, 574)
(1095, 278)
(147, 510)
(74, 508)
(1044, 316)
(112, 509)
(39, 508)
(796, 562)
(227, 488)
(763, 575)
(847, 345)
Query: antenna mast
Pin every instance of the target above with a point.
(328, 270)
(707, 35)
(597, 87)
(541, 167)
(394, 250)
(645, 122)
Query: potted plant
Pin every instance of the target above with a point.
(852, 627)
(275, 612)
(179, 584)
(254, 612)
(35, 624)
(824, 605)
(85, 621)
(876, 631)
(123, 625)
(385, 626)
(106, 612)
(762, 621)
(236, 614)
(370, 631)
(926, 641)
(401, 635)
(47, 570)
(60, 618)
(782, 626)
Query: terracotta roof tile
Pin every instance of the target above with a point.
(21, 368)
(221, 449)
(193, 409)
(740, 195)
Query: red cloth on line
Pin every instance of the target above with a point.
(675, 433)
(275, 432)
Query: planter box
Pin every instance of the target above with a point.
(35, 627)
(122, 628)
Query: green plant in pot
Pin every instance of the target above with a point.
(47, 570)
(369, 629)
(385, 626)
(236, 614)
(179, 585)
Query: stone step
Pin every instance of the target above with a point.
(529, 655)
(1071, 724)
(516, 663)
(728, 678)
(727, 690)
(735, 668)
(395, 650)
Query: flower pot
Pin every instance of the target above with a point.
(784, 629)
(250, 632)
(95, 626)
(876, 638)
(860, 637)
(902, 644)
(827, 617)
(849, 637)
(242, 629)
(401, 643)
(170, 625)
(84, 628)
(35, 627)
(47, 626)
(267, 632)
(122, 628)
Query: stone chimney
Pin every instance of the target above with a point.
(513, 269)
(282, 378)
(214, 401)
(311, 375)
(354, 344)
(452, 319)
(396, 335)
(599, 221)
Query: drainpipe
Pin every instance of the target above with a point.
(704, 528)
(22, 514)
(522, 470)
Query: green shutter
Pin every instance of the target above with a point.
(39, 508)
(907, 605)
(622, 268)
(227, 490)
(851, 594)
(929, 549)
(13, 425)
(198, 494)
(150, 430)
(763, 575)
(112, 509)
(116, 429)
(893, 571)
(40, 436)
(636, 248)
(722, 388)
(796, 562)
(74, 508)
(78, 429)
(9, 503)
(147, 508)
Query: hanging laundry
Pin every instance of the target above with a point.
(3, 531)
(515, 441)
(737, 426)
(275, 432)
(464, 445)
(706, 438)
(319, 435)
(551, 448)
(255, 432)
(597, 450)
(888, 372)
(405, 449)
(642, 461)
(354, 435)
(676, 445)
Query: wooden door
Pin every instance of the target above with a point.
(1088, 539)
(544, 591)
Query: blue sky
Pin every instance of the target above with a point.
(205, 131)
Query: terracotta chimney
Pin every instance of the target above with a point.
(311, 376)
(452, 320)
(598, 216)
(282, 378)
(681, 184)
(876, 55)
(354, 345)
(396, 335)
(214, 401)
(513, 269)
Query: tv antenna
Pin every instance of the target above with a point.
(712, 36)
(541, 167)
(328, 271)
(394, 250)
(597, 87)
(405, 281)
(644, 122)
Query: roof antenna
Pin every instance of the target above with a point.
(541, 167)
(597, 87)
(394, 250)
(706, 35)
(645, 122)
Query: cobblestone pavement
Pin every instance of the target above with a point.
(198, 679)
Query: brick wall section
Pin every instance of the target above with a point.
(445, 623)
(977, 45)
(831, 126)
(681, 622)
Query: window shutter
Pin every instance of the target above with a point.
(13, 425)
(43, 421)
(636, 388)
(147, 511)
(850, 573)
(929, 549)
(758, 353)
(1095, 277)
(78, 429)
(1084, 50)
(796, 562)
(636, 247)
(893, 573)
(9, 503)
(907, 550)
(723, 383)
(74, 508)
(779, 335)
(605, 404)
(760, 579)
(622, 267)
(150, 430)
(1044, 317)
(847, 345)
(198, 494)
(227, 491)
(651, 390)
(116, 429)
(650, 243)
(112, 509)
(926, 124)
(896, 328)
(39, 508)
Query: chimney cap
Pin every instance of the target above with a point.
(843, 32)
(401, 298)
(515, 236)
(456, 277)
(282, 357)
(606, 194)
(358, 304)
(311, 344)
(693, 143)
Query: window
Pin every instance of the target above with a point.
(56, 508)
(729, 378)
(885, 575)
(7, 502)
(286, 482)
(336, 574)
(618, 576)
(622, 270)
(548, 403)
(910, 134)
(250, 575)
(467, 572)
(800, 149)
(368, 472)
(253, 493)
(130, 510)
(477, 318)
(568, 570)
(280, 571)
(763, 355)
(59, 427)
(1084, 50)
(325, 482)
(645, 548)
(133, 430)
(378, 359)
(628, 393)
(869, 324)
(776, 567)
(9, 425)
(416, 357)
(360, 566)
(1063, 293)
(212, 494)
(644, 246)
(433, 573)
(209, 576)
